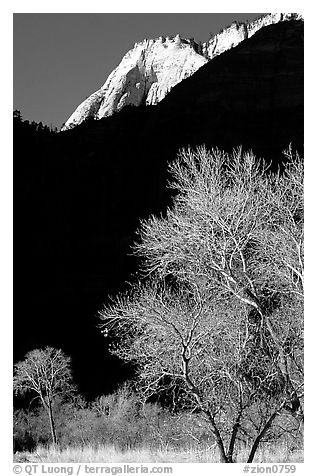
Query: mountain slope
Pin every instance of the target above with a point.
(251, 95)
(144, 76)
(153, 67)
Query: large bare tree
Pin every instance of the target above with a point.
(219, 313)
(47, 374)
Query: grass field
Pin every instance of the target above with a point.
(110, 454)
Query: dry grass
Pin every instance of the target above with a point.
(111, 454)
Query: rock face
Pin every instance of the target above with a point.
(153, 67)
(250, 95)
(144, 76)
(233, 35)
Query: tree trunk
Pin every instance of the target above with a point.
(223, 456)
(235, 427)
(52, 424)
(260, 436)
(233, 439)
(195, 392)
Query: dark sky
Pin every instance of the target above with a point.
(60, 59)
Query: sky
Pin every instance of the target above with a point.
(61, 58)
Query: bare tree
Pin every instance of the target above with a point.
(47, 373)
(219, 313)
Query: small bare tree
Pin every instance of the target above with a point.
(47, 373)
(220, 312)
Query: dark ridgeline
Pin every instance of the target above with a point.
(79, 194)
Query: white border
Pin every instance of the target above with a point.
(94, 6)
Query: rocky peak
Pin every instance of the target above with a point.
(145, 75)
(232, 35)
(154, 66)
